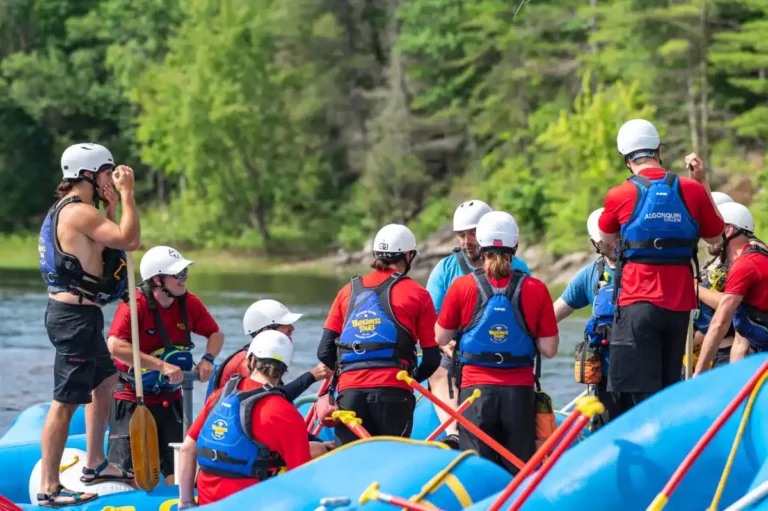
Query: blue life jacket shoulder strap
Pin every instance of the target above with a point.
(486, 291)
(465, 269)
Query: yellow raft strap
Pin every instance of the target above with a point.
(736, 441)
(441, 477)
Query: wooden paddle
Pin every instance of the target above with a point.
(689, 336)
(145, 452)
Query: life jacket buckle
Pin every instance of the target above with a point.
(356, 349)
(501, 358)
(656, 244)
(215, 455)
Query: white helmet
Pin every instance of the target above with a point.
(497, 229)
(638, 138)
(592, 228)
(721, 198)
(272, 344)
(468, 214)
(737, 215)
(162, 261)
(265, 313)
(393, 239)
(81, 157)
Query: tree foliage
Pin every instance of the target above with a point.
(297, 126)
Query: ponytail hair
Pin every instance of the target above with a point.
(497, 264)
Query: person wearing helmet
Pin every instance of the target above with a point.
(593, 285)
(261, 316)
(504, 319)
(711, 282)
(660, 217)
(371, 334)
(248, 430)
(745, 298)
(82, 261)
(464, 260)
(168, 314)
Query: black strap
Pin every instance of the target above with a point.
(495, 358)
(220, 372)
(600, 273)
(182, 300)
(465, 269)
(659, 243)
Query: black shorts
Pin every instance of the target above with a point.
(508, 415)
(82, 359)
(647, 348)
(169, 429)
(387, 411)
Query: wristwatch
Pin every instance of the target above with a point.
(208, 357)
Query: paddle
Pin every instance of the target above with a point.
(689, 338)
(143, 430)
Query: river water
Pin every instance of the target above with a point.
(26, 373)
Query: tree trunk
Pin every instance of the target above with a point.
(690, 79)
(703, 70)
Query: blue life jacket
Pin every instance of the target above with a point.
(599, 325)
(704, 314)
(226, 445)
(372, 337)
(749, 321)
(497, 335)
(180, 355)
(63, 272)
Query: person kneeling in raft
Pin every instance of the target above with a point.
(230, 454)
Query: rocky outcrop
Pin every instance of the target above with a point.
(439, 245)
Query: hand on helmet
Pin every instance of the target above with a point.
(123, 178)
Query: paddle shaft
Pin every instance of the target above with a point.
(689, 335)
(706, 438)
(134, 331)
(535, 460)
(547, 466)
(479, 433)
(450, 420)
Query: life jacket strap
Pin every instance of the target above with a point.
(496, 358)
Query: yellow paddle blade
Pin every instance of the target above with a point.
(144, 449)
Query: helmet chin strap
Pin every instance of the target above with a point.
(165, 289)
(96, 199)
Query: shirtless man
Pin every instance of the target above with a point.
(83, 263)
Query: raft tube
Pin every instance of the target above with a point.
(626, 464)
(437, 476)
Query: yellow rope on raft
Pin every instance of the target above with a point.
(736, 441)
(435, 482)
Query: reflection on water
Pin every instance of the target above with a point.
(27, 354)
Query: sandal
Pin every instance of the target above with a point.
(52, 499)
(94, 475)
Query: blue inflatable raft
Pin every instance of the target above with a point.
(624, 465)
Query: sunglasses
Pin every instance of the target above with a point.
(181, 274)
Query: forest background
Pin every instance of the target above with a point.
(295, 128)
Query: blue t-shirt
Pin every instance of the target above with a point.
(448, 270)
(580, 292)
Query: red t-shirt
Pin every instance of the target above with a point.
(412, 307)
(667, 286)
(200, 322)
(275, 422)
(238, 364)
(539, 314)
(748, 277)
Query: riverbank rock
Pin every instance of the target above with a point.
(441, 244)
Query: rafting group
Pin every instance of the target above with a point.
(482, 323)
